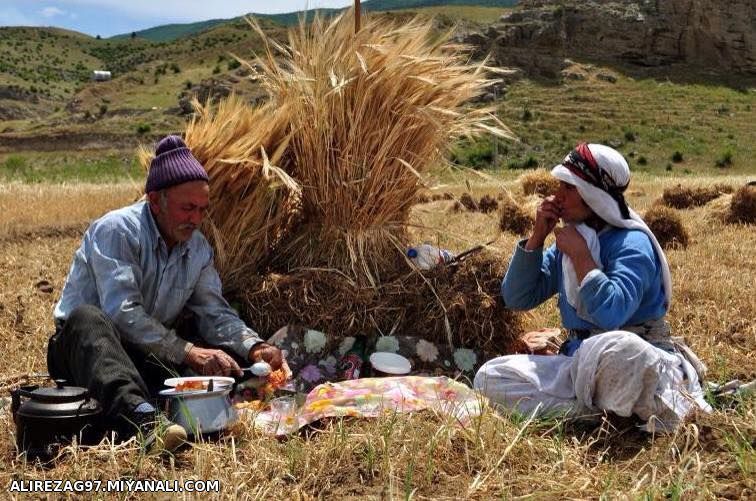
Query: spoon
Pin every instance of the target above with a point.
(259, 369)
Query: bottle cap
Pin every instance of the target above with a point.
(412, 252)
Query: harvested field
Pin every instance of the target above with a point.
(423, 455)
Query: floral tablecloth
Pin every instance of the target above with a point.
(373, 397)
(313, 356)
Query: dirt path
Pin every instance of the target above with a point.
(71, 141)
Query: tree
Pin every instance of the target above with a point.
(98, 37)
(133, 35)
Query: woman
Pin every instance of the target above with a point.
(614, 290)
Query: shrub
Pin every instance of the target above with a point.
(526, 115)
(642, 160)
(233, 64)
(175, 67)
(677, 157)
(143, 128)
(724, 160)
(530, 162)
(667, 227)
(629, 136)
(216, 70)
(476, 154)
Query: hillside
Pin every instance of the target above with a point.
(44, 70)
(48, 102)
(170, 32)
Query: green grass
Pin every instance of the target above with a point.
(710, 127)
(57, 168)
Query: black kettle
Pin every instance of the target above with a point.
(48, 418)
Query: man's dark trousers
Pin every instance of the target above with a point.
(87, 351)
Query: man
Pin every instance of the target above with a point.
(137, 269)
(614, 290)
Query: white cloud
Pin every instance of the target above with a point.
(51, 12)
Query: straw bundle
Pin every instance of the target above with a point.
(539, 181)
(487, 204)
(513, 217)
(667, 227)
(368, 114)
(743, 206)
(252, 201)
(683, 197)
(458, 305)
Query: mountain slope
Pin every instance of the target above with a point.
(171, 32)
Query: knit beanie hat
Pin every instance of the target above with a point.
(173, 164)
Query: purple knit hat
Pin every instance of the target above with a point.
(173, 164)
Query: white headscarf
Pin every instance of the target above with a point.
(606, 207)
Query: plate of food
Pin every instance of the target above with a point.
(196, 383)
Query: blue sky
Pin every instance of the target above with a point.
(112, 17)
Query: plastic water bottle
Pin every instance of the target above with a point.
(426, 256)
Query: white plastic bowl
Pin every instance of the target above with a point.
(390, 363)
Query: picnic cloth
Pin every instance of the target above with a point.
(374, 397)
(313, 356)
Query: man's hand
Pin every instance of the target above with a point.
(263, 352)
(571, 242)
(209, 362)
(547, 217)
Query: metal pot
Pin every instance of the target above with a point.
(200, 412)
(48, 418)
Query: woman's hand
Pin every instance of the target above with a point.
(547, 217)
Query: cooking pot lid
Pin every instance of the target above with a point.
(59, 394)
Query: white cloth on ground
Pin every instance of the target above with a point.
(571, 283)
(616, 371)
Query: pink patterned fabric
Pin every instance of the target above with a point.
(374, 397)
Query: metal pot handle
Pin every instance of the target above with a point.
(21, 391)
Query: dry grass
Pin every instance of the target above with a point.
(667, 226)
(450, 305)
(369, 113)
(539, 182)
(425, 455)
(252, 200)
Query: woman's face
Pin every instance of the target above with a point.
(572, 208)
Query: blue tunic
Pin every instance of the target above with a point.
(629, 290)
